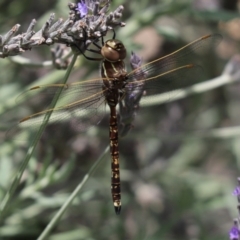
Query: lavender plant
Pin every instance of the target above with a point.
(234, 233)
(147, 214)
(129, 106)
(88, 21)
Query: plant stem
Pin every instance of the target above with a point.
(32, 146)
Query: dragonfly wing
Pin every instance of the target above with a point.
(82, 104)
(184, 56)
(168, 82)
(44, 94)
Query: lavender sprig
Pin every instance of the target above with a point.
(87, 22)
(130, 104)
(234, 233)
(60, 56)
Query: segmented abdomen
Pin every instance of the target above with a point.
(113, 135)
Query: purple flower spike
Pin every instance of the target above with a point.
(234, 233)
(236, 191)
(82, 8)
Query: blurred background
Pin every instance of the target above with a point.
(179, 162)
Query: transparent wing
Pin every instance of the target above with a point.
(82, 103)
(174, 71)
(177, 70)
(135, 90)
(167, 82)
(44, 94)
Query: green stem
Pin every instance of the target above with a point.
(64, 207)
(167, 97)
(32, 146)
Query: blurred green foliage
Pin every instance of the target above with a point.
(176, 184)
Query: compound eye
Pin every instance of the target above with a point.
(113, 51)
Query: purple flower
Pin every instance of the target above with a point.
(135, 61)
(82, 8)
(236, 191)
(234, 233)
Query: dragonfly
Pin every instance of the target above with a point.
(86, 100)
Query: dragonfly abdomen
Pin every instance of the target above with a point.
(115, 186)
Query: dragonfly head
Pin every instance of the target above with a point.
(114, 50)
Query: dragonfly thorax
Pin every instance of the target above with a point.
(113, 50)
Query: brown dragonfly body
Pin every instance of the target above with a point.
(114, 74)
(172, 72)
